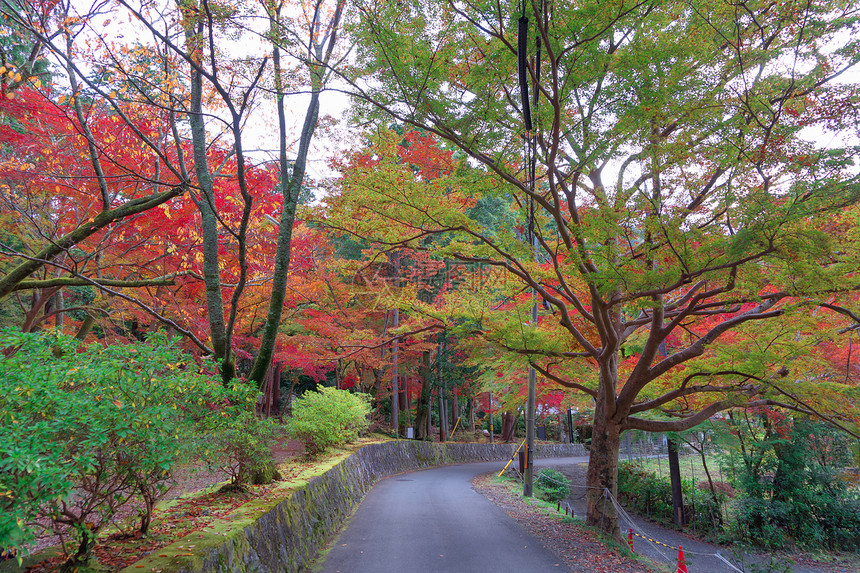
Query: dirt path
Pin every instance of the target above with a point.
(699, 555)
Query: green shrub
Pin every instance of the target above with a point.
(645, 492)
(109, 423)
(791, 493)
(237, 441)
(649, 494)
(327, 418)
(552, 485)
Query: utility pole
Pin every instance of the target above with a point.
(490, 412)
(395, 390)
(528, 478)
(570, 424)
(530, 163)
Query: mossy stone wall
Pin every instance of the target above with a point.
(290, 534)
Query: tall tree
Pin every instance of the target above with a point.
(100, 177)
(317, 34)
(688, 158)
(203, 86)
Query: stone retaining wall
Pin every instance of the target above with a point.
(290, 534)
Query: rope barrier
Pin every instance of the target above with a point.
(655, 541)
(626, 516)
(622, 513)
(727, 562)
(658, 544)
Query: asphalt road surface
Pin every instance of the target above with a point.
(432, 521)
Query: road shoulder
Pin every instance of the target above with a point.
(579, 547)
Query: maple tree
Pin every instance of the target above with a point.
(233, 82)
(688, 166)
(320, 21)
(344, 318)
(689, 230)
(59, 214)
(198, 100)
(76, 169)
(419, 277)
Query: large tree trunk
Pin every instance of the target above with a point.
(221, 343)
(403, 401)
(290, 184)
(395, 380)
(602, 475)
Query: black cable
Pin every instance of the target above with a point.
(522, 68)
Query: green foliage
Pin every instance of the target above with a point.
(649, 494)
(792, 493)
(645, 492)
(552, 485)
(328, 418)
(109, 423)
(238, 441)
(654, 192)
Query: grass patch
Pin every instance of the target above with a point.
(690, 465)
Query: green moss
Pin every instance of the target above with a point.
(11, 566)
(188, 553)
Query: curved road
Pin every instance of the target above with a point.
(432, 521)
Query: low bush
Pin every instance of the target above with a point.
(792, 492)
(649, 494)
(829, 520)
(85, 429)
(329, 417)
(237, 441)
(552, 485)
(645, 492)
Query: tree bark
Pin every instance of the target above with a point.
(443, 424)
(291, 184)
(395, 389)
(675, 478)
(422, 412)
(206, 205)
(509, 427)
(404, 408)
(602, 475)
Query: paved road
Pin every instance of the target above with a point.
(432, 521)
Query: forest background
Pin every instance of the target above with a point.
(653, 206)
